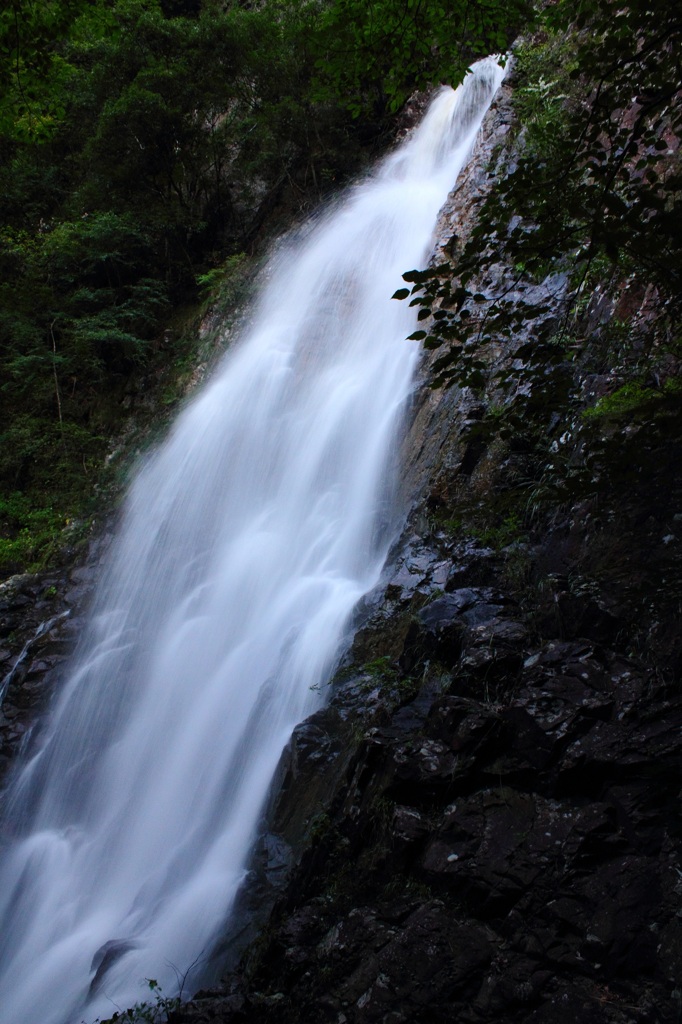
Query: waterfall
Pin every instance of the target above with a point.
(247, 540)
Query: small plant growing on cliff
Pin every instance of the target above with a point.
(632, 398)
(319, 826)
(501, 535)
(159, 1010)
(382, 673)
(381, 670)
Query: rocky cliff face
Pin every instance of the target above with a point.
(483, 824)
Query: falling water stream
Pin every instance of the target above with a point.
(247, 541)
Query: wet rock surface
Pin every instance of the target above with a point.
(41, 618)
(502, 843)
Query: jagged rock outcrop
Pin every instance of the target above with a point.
(503, 845)
(41, 618)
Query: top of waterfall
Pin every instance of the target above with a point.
(451, 121)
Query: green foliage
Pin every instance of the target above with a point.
(59, 455)
(224, 286)
(319, 826)
(27, 534)
(633, 398)
(104, 207)
(503, 533)
(544, 88)
(382, 672)
(159, 1010)
(55, 466)
(75, 311)
(605, 181)
(374, 53)
(34, 77)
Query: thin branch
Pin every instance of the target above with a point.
(56, 379)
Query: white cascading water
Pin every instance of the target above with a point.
(247, 541)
